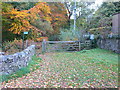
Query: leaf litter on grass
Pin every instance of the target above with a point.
(72, 70)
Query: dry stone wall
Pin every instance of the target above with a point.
(112, 44)
(109, 44)
(11, 63)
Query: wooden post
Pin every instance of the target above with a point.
(43, 46)
(26, 43)
(79, 46)
(23, 42)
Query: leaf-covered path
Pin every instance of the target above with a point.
(67, 70)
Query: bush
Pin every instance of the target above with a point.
(11, 47)
(41, 39)
(70, 34)
(54, 37)
(67, 35)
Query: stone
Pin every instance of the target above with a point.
(2, 53)
(11, 63)
(109, 44)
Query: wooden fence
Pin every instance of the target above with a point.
(53, 46)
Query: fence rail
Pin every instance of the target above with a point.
(51, 46)
(61, 41)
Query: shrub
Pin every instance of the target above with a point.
(71, 34)
(41, 39)
(11, 47)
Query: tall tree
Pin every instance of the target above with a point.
(83, 12)
(58, 15)
(43, 18)
(82, 8)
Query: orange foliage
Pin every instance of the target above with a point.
(41, 39)
(41, 9)
(54, 13)
(59, 15)
(19, 21)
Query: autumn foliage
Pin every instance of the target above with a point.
(23, 20)
(19, 21)
(42, 38)
(59, 15)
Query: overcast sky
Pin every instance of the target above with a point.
(94, 6)
(97, 3)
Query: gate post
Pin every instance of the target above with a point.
(79, 46)
(44, 46)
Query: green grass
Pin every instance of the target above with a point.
(95, 66)
(33, 65)
(88, 68)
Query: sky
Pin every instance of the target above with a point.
(97, 3)
(94, 6)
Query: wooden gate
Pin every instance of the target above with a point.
(53, 46)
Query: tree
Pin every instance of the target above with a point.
(102, 19)
(22, 5)
(38, 18)
(6, 35)
(107, 9)
(82, 8)
(83, 13)
(58, 15)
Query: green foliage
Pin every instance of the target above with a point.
(54, 37)
(71, 34)
(67, 35)
(6, 7)
(11, 47)
(109, 8)
(22, 5)
(6, 35)
(9, 36)
(105, 21)
(85, 13)
(6, 22)
(45, 28)
(96, 22)
(101, 30)
(33, 65)
(82, 21)
(103, 17)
